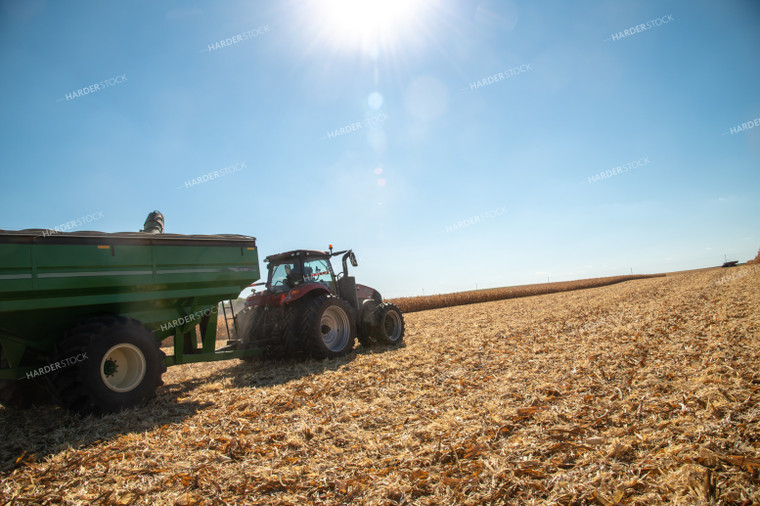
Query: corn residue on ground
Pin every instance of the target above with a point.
(638, 393)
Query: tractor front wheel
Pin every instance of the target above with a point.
(389, 324)
(366, 321)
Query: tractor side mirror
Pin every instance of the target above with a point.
(352, 257)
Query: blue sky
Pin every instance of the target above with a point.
(431, 151)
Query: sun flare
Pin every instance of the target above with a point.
(355, 24)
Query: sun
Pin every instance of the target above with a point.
(359, 17)
(364, 24)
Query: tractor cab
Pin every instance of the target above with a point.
(296, 273)
(296, 268)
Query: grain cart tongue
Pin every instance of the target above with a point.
(306, 308)
(82, 314)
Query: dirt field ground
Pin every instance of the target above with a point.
(643, 392)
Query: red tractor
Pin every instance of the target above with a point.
(307, 308)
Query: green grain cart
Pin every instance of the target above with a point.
(82, 314)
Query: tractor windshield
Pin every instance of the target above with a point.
(285, 276)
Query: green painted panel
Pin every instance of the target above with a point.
(49, 283)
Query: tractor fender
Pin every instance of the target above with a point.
(300, 291)
(265, 298)
(367, 292)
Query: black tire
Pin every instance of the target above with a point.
(24, 392)
(247, 329)
(272, 330)
(365, 322)
(388, 327)
(328, 327)
(244, 320)
(116, 363)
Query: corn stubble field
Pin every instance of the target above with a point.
(638, 393)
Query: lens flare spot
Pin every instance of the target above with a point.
(375, 100)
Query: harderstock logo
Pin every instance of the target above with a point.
(737, 275)
(633, 30)
(356, 126)
(500, 76)
(87, 90)
(214, 174)
(472, 220)
(70, 225)
(189, 318)
(619, 169)
(236, 39)
(747, 125)
(56, 366)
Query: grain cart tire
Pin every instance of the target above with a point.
(115, 363)
(328, 327)
(389, 324)
(23, 392)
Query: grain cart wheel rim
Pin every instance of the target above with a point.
(335, 328)
(123, 367)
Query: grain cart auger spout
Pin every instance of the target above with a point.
(307, 308)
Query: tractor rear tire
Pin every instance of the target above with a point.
(276, 339)
(328, 327)
(389, 325)
(249, 329)
(120, 363)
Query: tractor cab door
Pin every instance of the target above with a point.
(319, 270)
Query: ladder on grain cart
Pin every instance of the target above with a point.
(227, 304)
